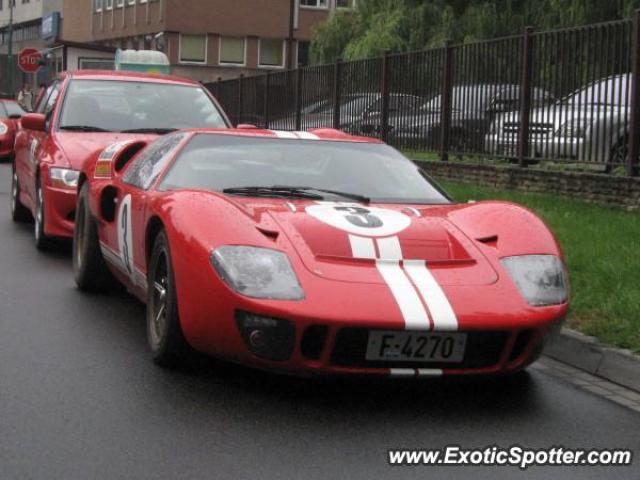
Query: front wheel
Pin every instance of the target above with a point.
(164, 333)
(19, 213)
(89, 268)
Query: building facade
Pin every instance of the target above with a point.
(204, 39)
(27, 31)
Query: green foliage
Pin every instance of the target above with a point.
(405, 25)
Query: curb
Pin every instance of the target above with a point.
(586, 353)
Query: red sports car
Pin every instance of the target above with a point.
(315, 252)
(10, 114)
(83, 112)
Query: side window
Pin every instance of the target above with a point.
(146, 168)
(49, 99)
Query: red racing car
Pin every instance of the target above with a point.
(315, 252)
(10, 114)
(82, 113)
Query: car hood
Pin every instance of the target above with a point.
(78, 147)
(342, 241)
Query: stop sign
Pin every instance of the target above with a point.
(29, 60)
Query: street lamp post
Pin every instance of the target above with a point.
(10, 49)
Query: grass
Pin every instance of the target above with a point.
(602, 246)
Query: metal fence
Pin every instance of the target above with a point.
(566, 96)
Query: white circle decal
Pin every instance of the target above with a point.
(360, 220)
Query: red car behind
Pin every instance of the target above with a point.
(83, 112)
(315, 252)
(10, 114)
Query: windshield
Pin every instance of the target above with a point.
(117, 106)
(613, 91)
(352, 105)
(377, 171)
(11, 108)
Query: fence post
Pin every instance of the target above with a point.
(267, 85)
(337, 75)
(240, 99)
(634, 120)
(525, 96)
(298, 99)
(384, 92)
(447, 93)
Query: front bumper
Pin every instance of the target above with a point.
(59, 214)
(326, 348)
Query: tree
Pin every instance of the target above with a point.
(404, 25)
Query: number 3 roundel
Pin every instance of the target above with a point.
(359, 220)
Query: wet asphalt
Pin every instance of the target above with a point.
(80, 399)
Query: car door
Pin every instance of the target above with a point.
(125, 236)
(37, 141)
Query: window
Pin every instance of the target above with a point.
(131, 2)
(95, 64)
(118, 106)
(314, 3)
(149, 165)
(193, 48)
(345, 3)
(271, 53)
(303, 53)
(98, 5)
(108, 4)
(119, 3)
(232, 50)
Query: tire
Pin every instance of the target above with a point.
(42, 241)
(619, 153)
(19, 213)
(89, 268)
(164, 333)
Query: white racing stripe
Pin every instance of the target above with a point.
(307, 136)
(389, 248)
(402, 372)
(429, 372)
(362, 247)
(284, 134)
(413, 311)
(442, 314)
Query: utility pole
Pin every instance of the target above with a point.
(10, 50)
(291, 36)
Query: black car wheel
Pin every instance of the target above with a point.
(89, 268)
(19, 213)
(164, 333)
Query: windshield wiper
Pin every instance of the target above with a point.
(159, 131)
(83, 128)
(271, 192)
(353, 196)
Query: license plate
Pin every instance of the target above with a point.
(394, 346)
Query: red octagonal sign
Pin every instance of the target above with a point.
(29, 60)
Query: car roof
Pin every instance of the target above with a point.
(127, 76)
(317, 134)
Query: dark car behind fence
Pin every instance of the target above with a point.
(568, 96)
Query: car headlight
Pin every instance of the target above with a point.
(3, 128)
(257, 272)
(541, 279)
(572, 129)
(64, 178)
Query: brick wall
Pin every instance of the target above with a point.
(594, 188)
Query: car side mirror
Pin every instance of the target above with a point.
(34, 121)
